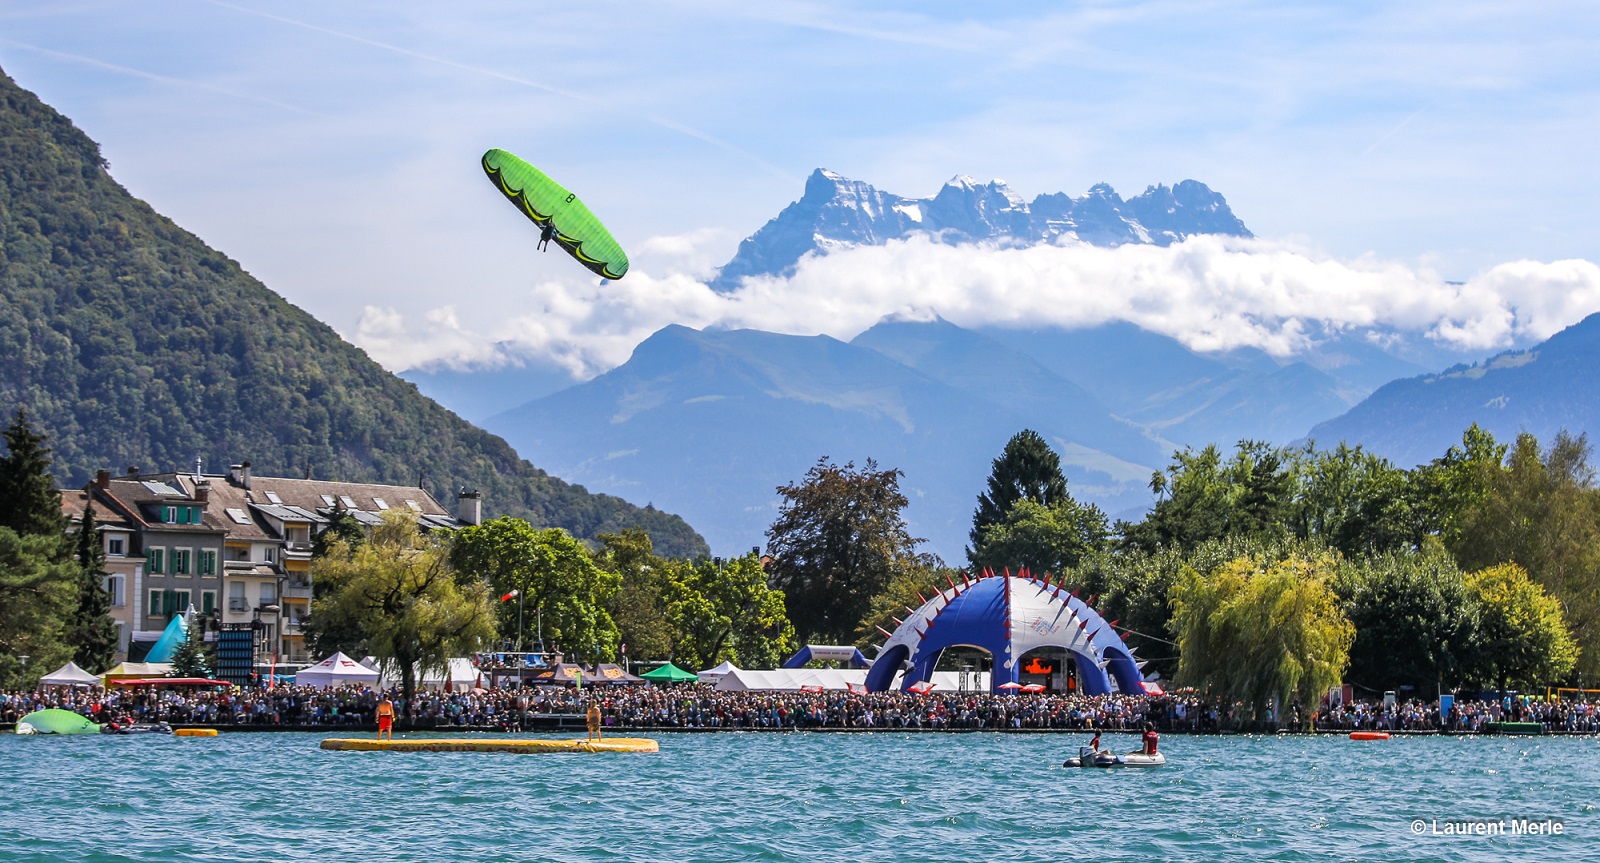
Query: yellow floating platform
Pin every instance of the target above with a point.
(195, 732)
(611, 744)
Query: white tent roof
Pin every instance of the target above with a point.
(795, 679)
(712, 675)
(335, 670)
(461, 675)
(70, 675)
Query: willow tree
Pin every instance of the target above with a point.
(400, 593)
(1256, 632)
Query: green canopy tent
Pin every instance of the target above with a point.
(669, 673)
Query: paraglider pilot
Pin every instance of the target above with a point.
(547, 232)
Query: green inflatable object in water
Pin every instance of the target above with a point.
(558, 212)
(55, 721)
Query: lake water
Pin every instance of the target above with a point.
(797, 796)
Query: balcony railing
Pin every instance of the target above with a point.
(297, 589)
(238, 605)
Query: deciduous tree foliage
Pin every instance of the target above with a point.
(639, 606)
(839, 538)
(1252, 632)
(562, 590)
(1355, 502)
(1027, 469)
(725, 610)
(399, 591)
(1416, 623)
(1202, 498)
(1522, 637)
(1042, 538)
(1541, 511)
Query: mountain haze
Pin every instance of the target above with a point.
(130, 342)
(1544, 389)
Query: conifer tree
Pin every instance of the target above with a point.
(190, 659)
(1027, 469)
(29, 502)
(93, 634)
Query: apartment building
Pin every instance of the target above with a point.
(124, 566)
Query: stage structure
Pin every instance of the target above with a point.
(1009, 616)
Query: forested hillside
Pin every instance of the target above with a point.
(131, 343)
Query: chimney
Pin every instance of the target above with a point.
(236, 474)
(133, 472)
(102, 479)
(469, 507)
(244, 474)
(202, 491)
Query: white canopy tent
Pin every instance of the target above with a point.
(336, 670)
(70, 675)
(712, 675)
(796, 679)
(460, 676)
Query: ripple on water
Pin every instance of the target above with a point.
(755, 797)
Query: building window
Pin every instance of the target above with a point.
(157, 603)
(180, 561)
(269, 593)
(208, 601)
(116, 546)
(208, 562)
(180, 602)
(158, 561)
(236, 600)
(117, 586)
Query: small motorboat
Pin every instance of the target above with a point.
(1103, 758)
(137, 728)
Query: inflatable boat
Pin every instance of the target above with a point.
(1086, 758)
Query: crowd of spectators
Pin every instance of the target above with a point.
(695, 706)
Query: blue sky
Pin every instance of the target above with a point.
(332, 147)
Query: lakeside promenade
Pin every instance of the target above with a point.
(700, 708)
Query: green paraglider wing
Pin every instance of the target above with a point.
(545, 202)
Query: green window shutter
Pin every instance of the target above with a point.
(157, 560)
(208, 602)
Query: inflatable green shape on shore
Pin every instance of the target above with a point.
(54, 721)
(563, 217)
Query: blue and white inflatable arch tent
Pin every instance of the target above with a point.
(1007, 615)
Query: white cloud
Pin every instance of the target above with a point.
(1211, 293)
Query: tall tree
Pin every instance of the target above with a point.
(1204, 498)
(29, 502)
(1416, 625)
(561, 589)
(639, 607)
(1356, 502)
(839, 538)
(399, 591)
(1027, 469)
(725, 610)
(36, 599)
(93, 634)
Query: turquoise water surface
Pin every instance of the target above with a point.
(794, 796)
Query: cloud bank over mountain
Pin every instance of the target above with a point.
(1209, 292)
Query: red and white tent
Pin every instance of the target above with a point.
(336, 670)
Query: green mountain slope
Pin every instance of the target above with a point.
(132, 343)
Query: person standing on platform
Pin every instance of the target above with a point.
(385, 719)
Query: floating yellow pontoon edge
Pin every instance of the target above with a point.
(614, 744)
(195, 732)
